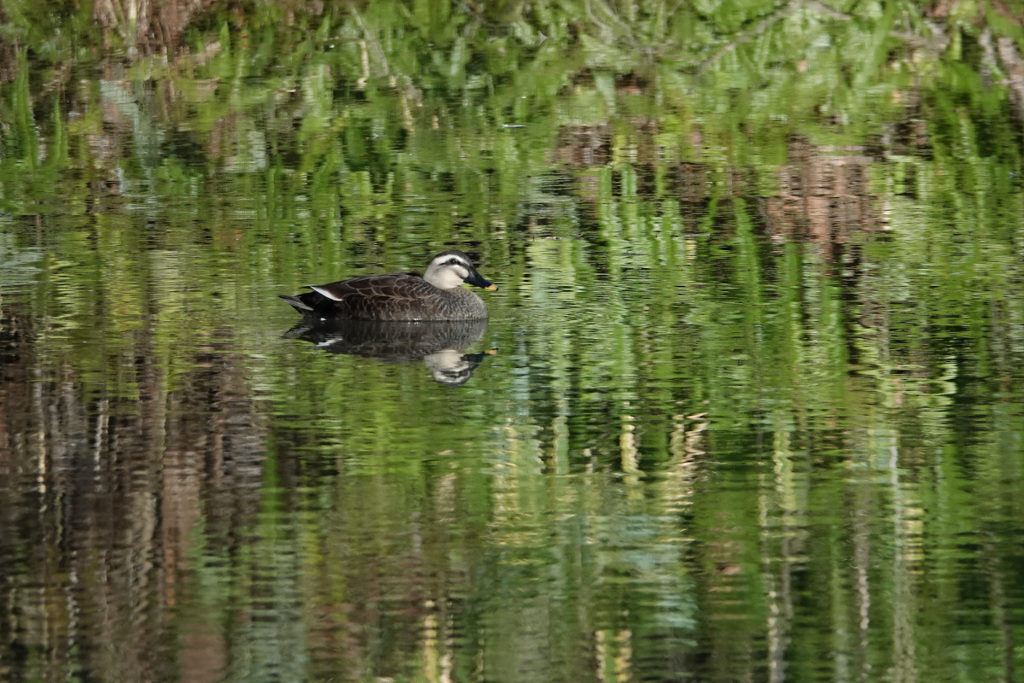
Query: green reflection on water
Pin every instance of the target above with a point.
(756, 406)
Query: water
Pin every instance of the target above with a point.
(749, 404)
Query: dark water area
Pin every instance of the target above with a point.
(749, 403)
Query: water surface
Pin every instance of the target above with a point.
(749, 404)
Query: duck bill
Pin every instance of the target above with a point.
(478, 280)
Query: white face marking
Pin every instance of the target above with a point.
(447, 272)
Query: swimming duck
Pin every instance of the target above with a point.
(437, 295)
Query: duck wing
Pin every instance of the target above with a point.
(376, 297)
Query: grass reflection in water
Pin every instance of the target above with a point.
(756, 406)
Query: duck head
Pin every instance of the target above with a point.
(451, 268)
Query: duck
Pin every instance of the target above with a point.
(436, 295)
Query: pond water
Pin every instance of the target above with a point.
(749, 404)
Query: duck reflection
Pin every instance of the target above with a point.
(438, 343)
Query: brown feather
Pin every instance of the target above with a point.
(396, 296)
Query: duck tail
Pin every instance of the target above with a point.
(297, 303)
